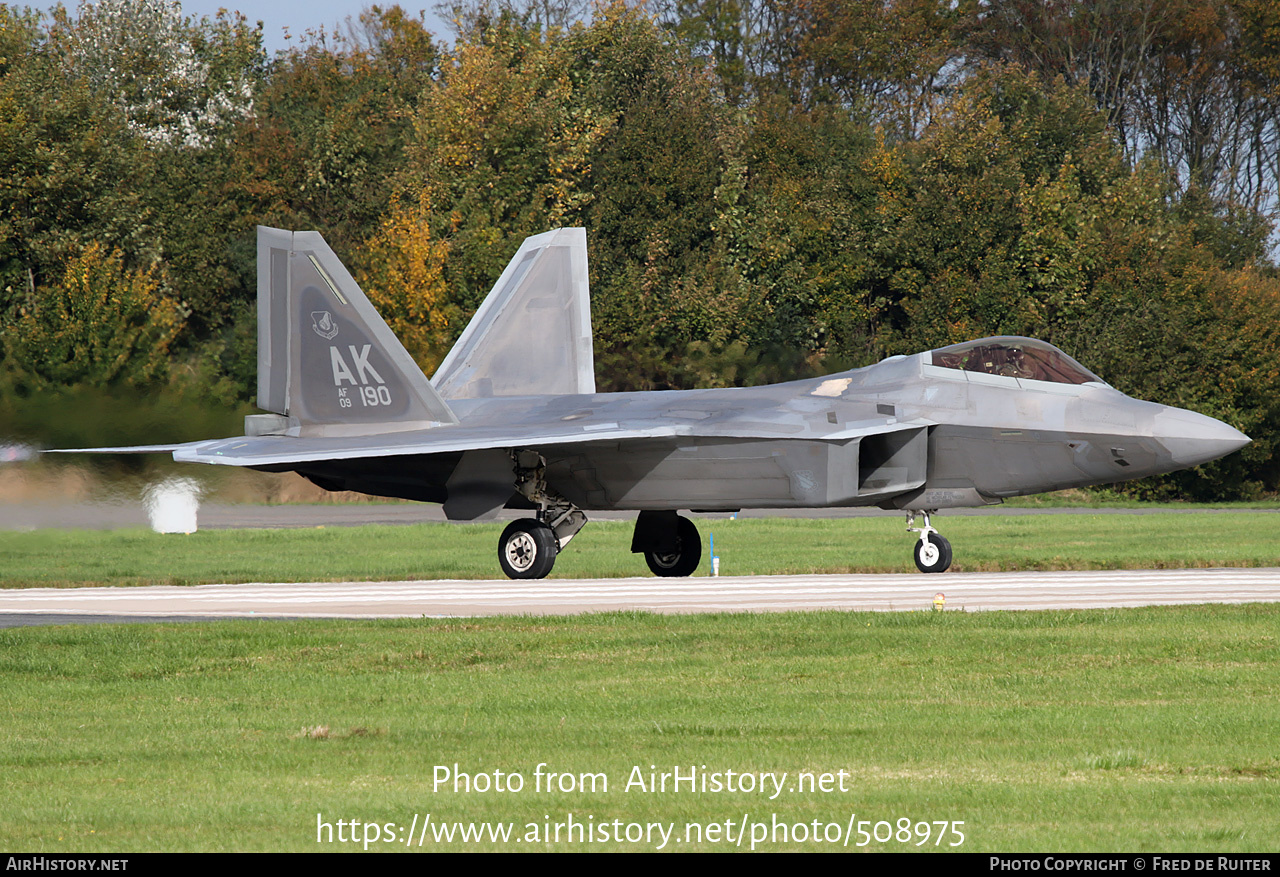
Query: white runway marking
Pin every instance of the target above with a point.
(889, 592)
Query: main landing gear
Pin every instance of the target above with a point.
(670, 543)
(933, 551)
(528, 547)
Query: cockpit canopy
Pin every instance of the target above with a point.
(1014, 357)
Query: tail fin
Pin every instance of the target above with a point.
(327, 363)
(532, 334)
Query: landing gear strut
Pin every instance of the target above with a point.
(528, 547)
(933, 551)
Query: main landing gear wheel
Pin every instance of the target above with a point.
(933, 553)
(686, 557)
(527, 549)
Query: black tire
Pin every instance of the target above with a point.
(935, 557)
(685, 559)
(527, 549)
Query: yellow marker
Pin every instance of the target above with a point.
(939, 601)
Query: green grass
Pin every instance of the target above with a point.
(748, 546)
(1143, 729)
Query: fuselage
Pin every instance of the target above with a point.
(904, 433)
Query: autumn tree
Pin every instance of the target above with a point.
(71, 172)
(499, 150)
(101, 325)
(889, 63)
(331, 126)
(798, 233)
(470, 18)
(730, 35)
(404, 279)
(1190, 84)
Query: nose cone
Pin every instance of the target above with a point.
(1193, 438)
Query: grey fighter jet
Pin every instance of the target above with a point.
(512, 419)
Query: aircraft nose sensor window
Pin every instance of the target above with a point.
(1024, 358)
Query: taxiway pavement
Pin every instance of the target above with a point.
(878, 592)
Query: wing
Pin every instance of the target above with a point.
(288, 450)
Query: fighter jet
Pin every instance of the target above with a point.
(511, 419)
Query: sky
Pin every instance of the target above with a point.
(298, 16)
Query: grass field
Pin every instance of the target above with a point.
(1089, 730)
(57, 558)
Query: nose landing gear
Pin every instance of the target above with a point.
(933, 551)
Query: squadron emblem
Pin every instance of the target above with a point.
(324, 324)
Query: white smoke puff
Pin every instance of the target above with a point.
(172, 505)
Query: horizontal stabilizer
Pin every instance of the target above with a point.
(532, 334)
(129, 449)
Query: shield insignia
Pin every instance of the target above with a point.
(324, 324)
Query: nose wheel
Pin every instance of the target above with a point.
(933, 551)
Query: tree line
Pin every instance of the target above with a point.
(770, 190)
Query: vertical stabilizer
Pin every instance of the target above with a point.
(532, 334)
(327, 363)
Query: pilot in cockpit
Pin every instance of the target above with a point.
(1015, 364)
